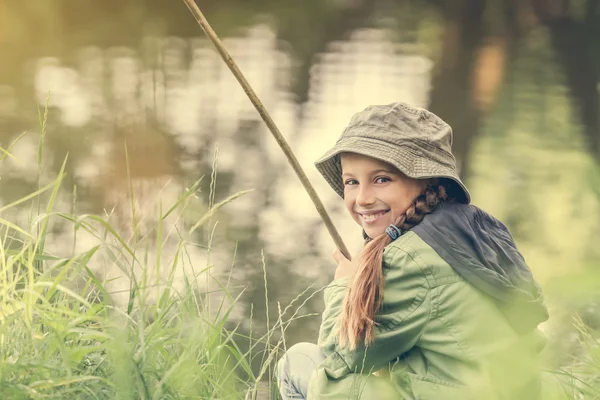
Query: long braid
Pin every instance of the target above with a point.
(365, 295)
(423, 205)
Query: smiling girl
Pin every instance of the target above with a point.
(440, 303)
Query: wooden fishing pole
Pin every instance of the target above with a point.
(191, 4)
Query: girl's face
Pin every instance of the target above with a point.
(376, 193)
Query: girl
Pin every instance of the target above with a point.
(440, 303)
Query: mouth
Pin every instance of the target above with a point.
(372, 216)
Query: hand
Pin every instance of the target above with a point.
(345, 267)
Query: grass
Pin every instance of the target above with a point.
(64, 334)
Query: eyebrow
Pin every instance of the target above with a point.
(387, 171)
(378, 171)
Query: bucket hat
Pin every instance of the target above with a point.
(414, 140)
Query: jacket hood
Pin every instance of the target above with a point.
(481, 249)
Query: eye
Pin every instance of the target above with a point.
(382, 179)
(349, 182)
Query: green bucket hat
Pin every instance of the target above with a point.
(414, 140)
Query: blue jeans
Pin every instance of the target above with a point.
(295, 368)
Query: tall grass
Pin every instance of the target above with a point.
(64, 335)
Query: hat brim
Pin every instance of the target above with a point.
(407, 159)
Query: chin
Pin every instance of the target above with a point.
(373, 233)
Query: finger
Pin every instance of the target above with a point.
(338, 256)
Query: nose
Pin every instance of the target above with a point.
(366, 196)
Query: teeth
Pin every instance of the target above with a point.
(372, 216)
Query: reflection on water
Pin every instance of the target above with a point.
(180, 112)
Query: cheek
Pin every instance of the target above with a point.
(348, 202)
(401, 206)
(410, 191)
(415, 190)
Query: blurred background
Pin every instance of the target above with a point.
(141, 102)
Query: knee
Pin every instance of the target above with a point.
(304, 348)
(299, 354)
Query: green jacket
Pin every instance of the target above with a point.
(438, 336)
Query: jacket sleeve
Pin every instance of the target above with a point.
(406, 310)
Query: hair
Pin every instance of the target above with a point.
(365, 294)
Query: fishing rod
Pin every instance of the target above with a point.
(191, 4)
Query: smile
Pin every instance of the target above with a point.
(372, 217)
